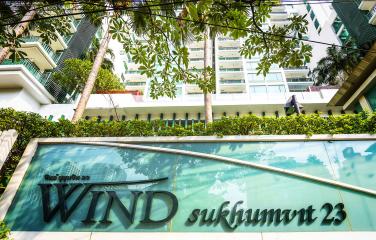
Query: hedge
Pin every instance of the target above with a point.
(31, 125)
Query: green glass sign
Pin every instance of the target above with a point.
(84, 187)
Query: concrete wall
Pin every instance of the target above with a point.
(7, 139)
(19, 99)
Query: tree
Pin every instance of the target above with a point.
(72, 77)
(119, 23)
(19, 17)
(93, 51)
(160, 49)
(337, 65)
(96, 19)
(275, 45)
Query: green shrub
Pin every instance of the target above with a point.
(4, 231)
(31, 125)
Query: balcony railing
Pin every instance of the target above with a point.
(67, 38)
(296, 68)
(231, 69)
(230, 58)
(135, 83)
(371, 13)
(358, 2)
(196, 59)
(226, 39)
(299, 80)
(133, 72)
(232, 81)
(74, 21)
(196, 49)
(228, 48)
(53, 88)
(47, 48)
(34, 70)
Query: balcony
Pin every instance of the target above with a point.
(21, 74)
(231, 69)
(228, 48)
(196, 49)
(279, 22)
(372, 16)
(365, 4)
(135, 83)
(299, 80)
(73, 24)
(276, 15)
(196, 59)
(41, 53)
(229, 58)
(67, 38)
(232, 81)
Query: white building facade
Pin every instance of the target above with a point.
(239, 90)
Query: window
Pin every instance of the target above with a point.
(312, 15)
(316, 23)
(344, 36)
(252, 65)
(274, 77)
(179, 91)
(276, 89)
(308, 7)
(253, 77)
(337, 24)
(257, 89)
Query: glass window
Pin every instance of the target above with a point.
(253, 77)
(308, 6)
(257, 89)
(274, 77)
(274, 66)
(337, 24)
(317, 24)
(312, 15)
(179, 91)
(252, 65)
(344, 36)
(276, 89)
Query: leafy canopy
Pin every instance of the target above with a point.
(12, 13)
(75, 72)
(337, 65)
(162, 34)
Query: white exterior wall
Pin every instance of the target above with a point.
(19, 99)
(128, 105)
(325, 15)
(22, 100)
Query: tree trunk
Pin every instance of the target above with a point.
(92, 77)
(207, 63)
(19, 29)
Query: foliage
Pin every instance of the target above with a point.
(163, 32)
(337, 65)
(31, 125)
(4, 231)
(75, 73)
(92, 53)
(12, 13)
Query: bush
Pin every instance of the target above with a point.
(31, 125)
(4, 231)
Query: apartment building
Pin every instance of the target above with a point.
(239, 89)
(359, 18)
(26, 84)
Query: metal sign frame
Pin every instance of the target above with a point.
(15, 182)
